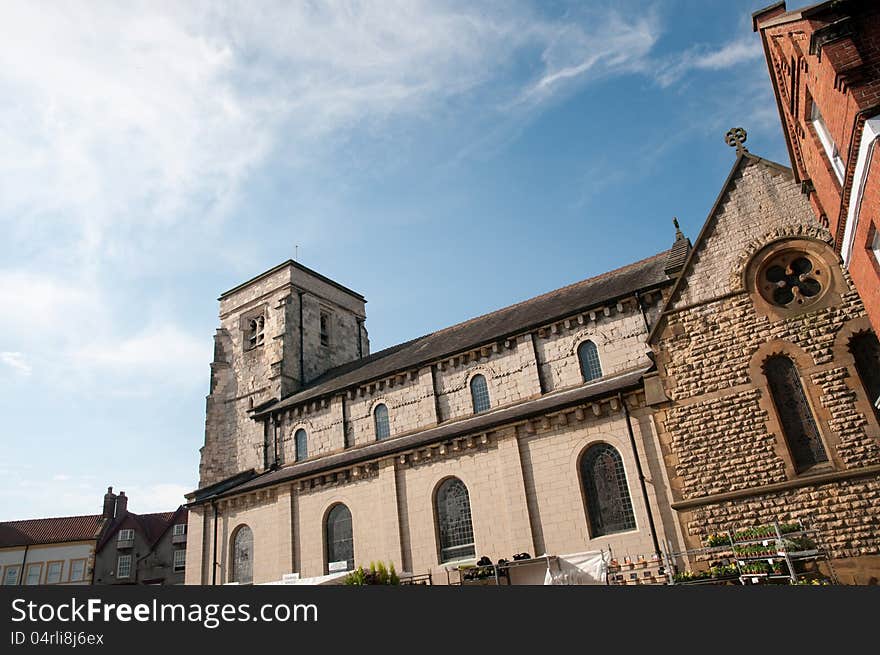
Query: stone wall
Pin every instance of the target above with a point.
(243, 377)
(728, 460)
(524, 487)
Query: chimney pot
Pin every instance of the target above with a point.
(121, 504)
(109, 504)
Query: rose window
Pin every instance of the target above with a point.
(791, 279)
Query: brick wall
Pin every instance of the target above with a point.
(842, 77)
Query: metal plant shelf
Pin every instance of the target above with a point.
(788, 545)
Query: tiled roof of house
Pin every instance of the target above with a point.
(500, 324)
(50, 531)
(151, 526)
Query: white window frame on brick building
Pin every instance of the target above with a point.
(179, 530)
(831, 151)
(54, 570)
(125, 538)
(179, 562)
(74, 572)
(30, 579)
(123, 567)
(10, 575)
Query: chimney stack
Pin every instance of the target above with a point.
(109, 504)
(121, 504)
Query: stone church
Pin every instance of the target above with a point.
(714, 385)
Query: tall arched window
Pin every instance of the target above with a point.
(865, 350)
(794, 413)
(588, 356)
(479, 394)
(608, 501)
(338, 534)
(454, 521)
(301, 444)
(380, 416)
(243, 555)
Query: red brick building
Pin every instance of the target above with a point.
(824, 63)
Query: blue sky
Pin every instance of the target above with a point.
(443, 158)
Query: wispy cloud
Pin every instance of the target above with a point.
(128, 146)
(64, 493)
(743, 49)
(16, 361)
(610, 44)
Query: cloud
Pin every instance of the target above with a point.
(741, 50)
(161, 352)
(16, 361)
(610, 45)
(70, 494)
(131, 135)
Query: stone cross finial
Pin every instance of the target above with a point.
(735, 138)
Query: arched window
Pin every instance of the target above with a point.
(479, 394)
(794, 413)
(608, 501)
(588, 356)
(454, 521)
(337, 532)
(380, 416)
(243, 556)
(301, 444)
(865, 350)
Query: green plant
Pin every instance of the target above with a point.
(377, 574)
(723, 570)
(814, 582)
(718, 539)
(686, 576)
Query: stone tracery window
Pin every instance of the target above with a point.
(795, 415)
(865, 349)
(792, 278)
(339, 537)
(608, 501)
(243, 556)
(256, 327)
(480, 394)
(454, 523)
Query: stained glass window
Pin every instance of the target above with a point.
(243, 556)
(380, 415)
(301, 444)
(479, 394)
(866, 351)
(588, 356)
(794, 413)
(340, 542)
(605, 487)
(454, 521)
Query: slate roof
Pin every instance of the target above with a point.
(443, 432)
(50, 531)
(151, 526)
(515, 319)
